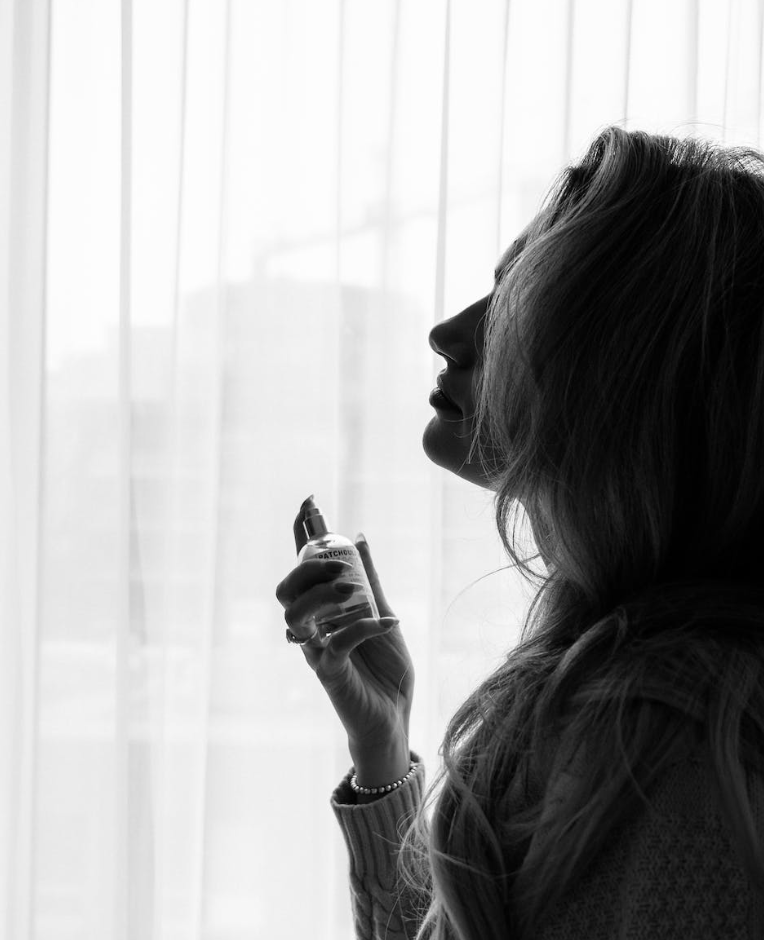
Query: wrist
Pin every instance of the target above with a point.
(382, 765)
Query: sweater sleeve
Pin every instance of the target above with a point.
(383, 908)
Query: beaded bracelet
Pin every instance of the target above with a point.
(370, 791)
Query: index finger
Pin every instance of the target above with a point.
(298, 529)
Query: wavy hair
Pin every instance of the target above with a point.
(621, 403)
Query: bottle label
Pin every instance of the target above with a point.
(341, 553)
(358, 605)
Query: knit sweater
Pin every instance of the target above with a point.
(669, 875)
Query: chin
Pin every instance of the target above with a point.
(443, 451)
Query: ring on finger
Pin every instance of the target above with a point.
(291, 638)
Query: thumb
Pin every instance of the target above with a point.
(385, 610)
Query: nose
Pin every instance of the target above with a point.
(460, 338)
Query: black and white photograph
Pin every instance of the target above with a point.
(381, 469)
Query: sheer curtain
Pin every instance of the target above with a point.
(227, 230)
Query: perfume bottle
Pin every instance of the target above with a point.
(323, 543)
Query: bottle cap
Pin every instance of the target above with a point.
(314, 523)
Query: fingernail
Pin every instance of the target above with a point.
(345, 587)
(361, 537)
(389, 622)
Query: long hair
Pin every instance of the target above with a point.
(621, 403)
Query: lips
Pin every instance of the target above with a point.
(439, 383)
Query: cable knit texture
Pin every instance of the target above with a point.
(381, 908)
(672, 874)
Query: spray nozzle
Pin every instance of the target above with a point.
(313, 522)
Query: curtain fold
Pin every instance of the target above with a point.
(227, 230)
(24, 64)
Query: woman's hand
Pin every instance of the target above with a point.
(365, 668)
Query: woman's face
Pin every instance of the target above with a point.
(448, 436)
(460, 340)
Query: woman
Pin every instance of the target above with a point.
(607, 779)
